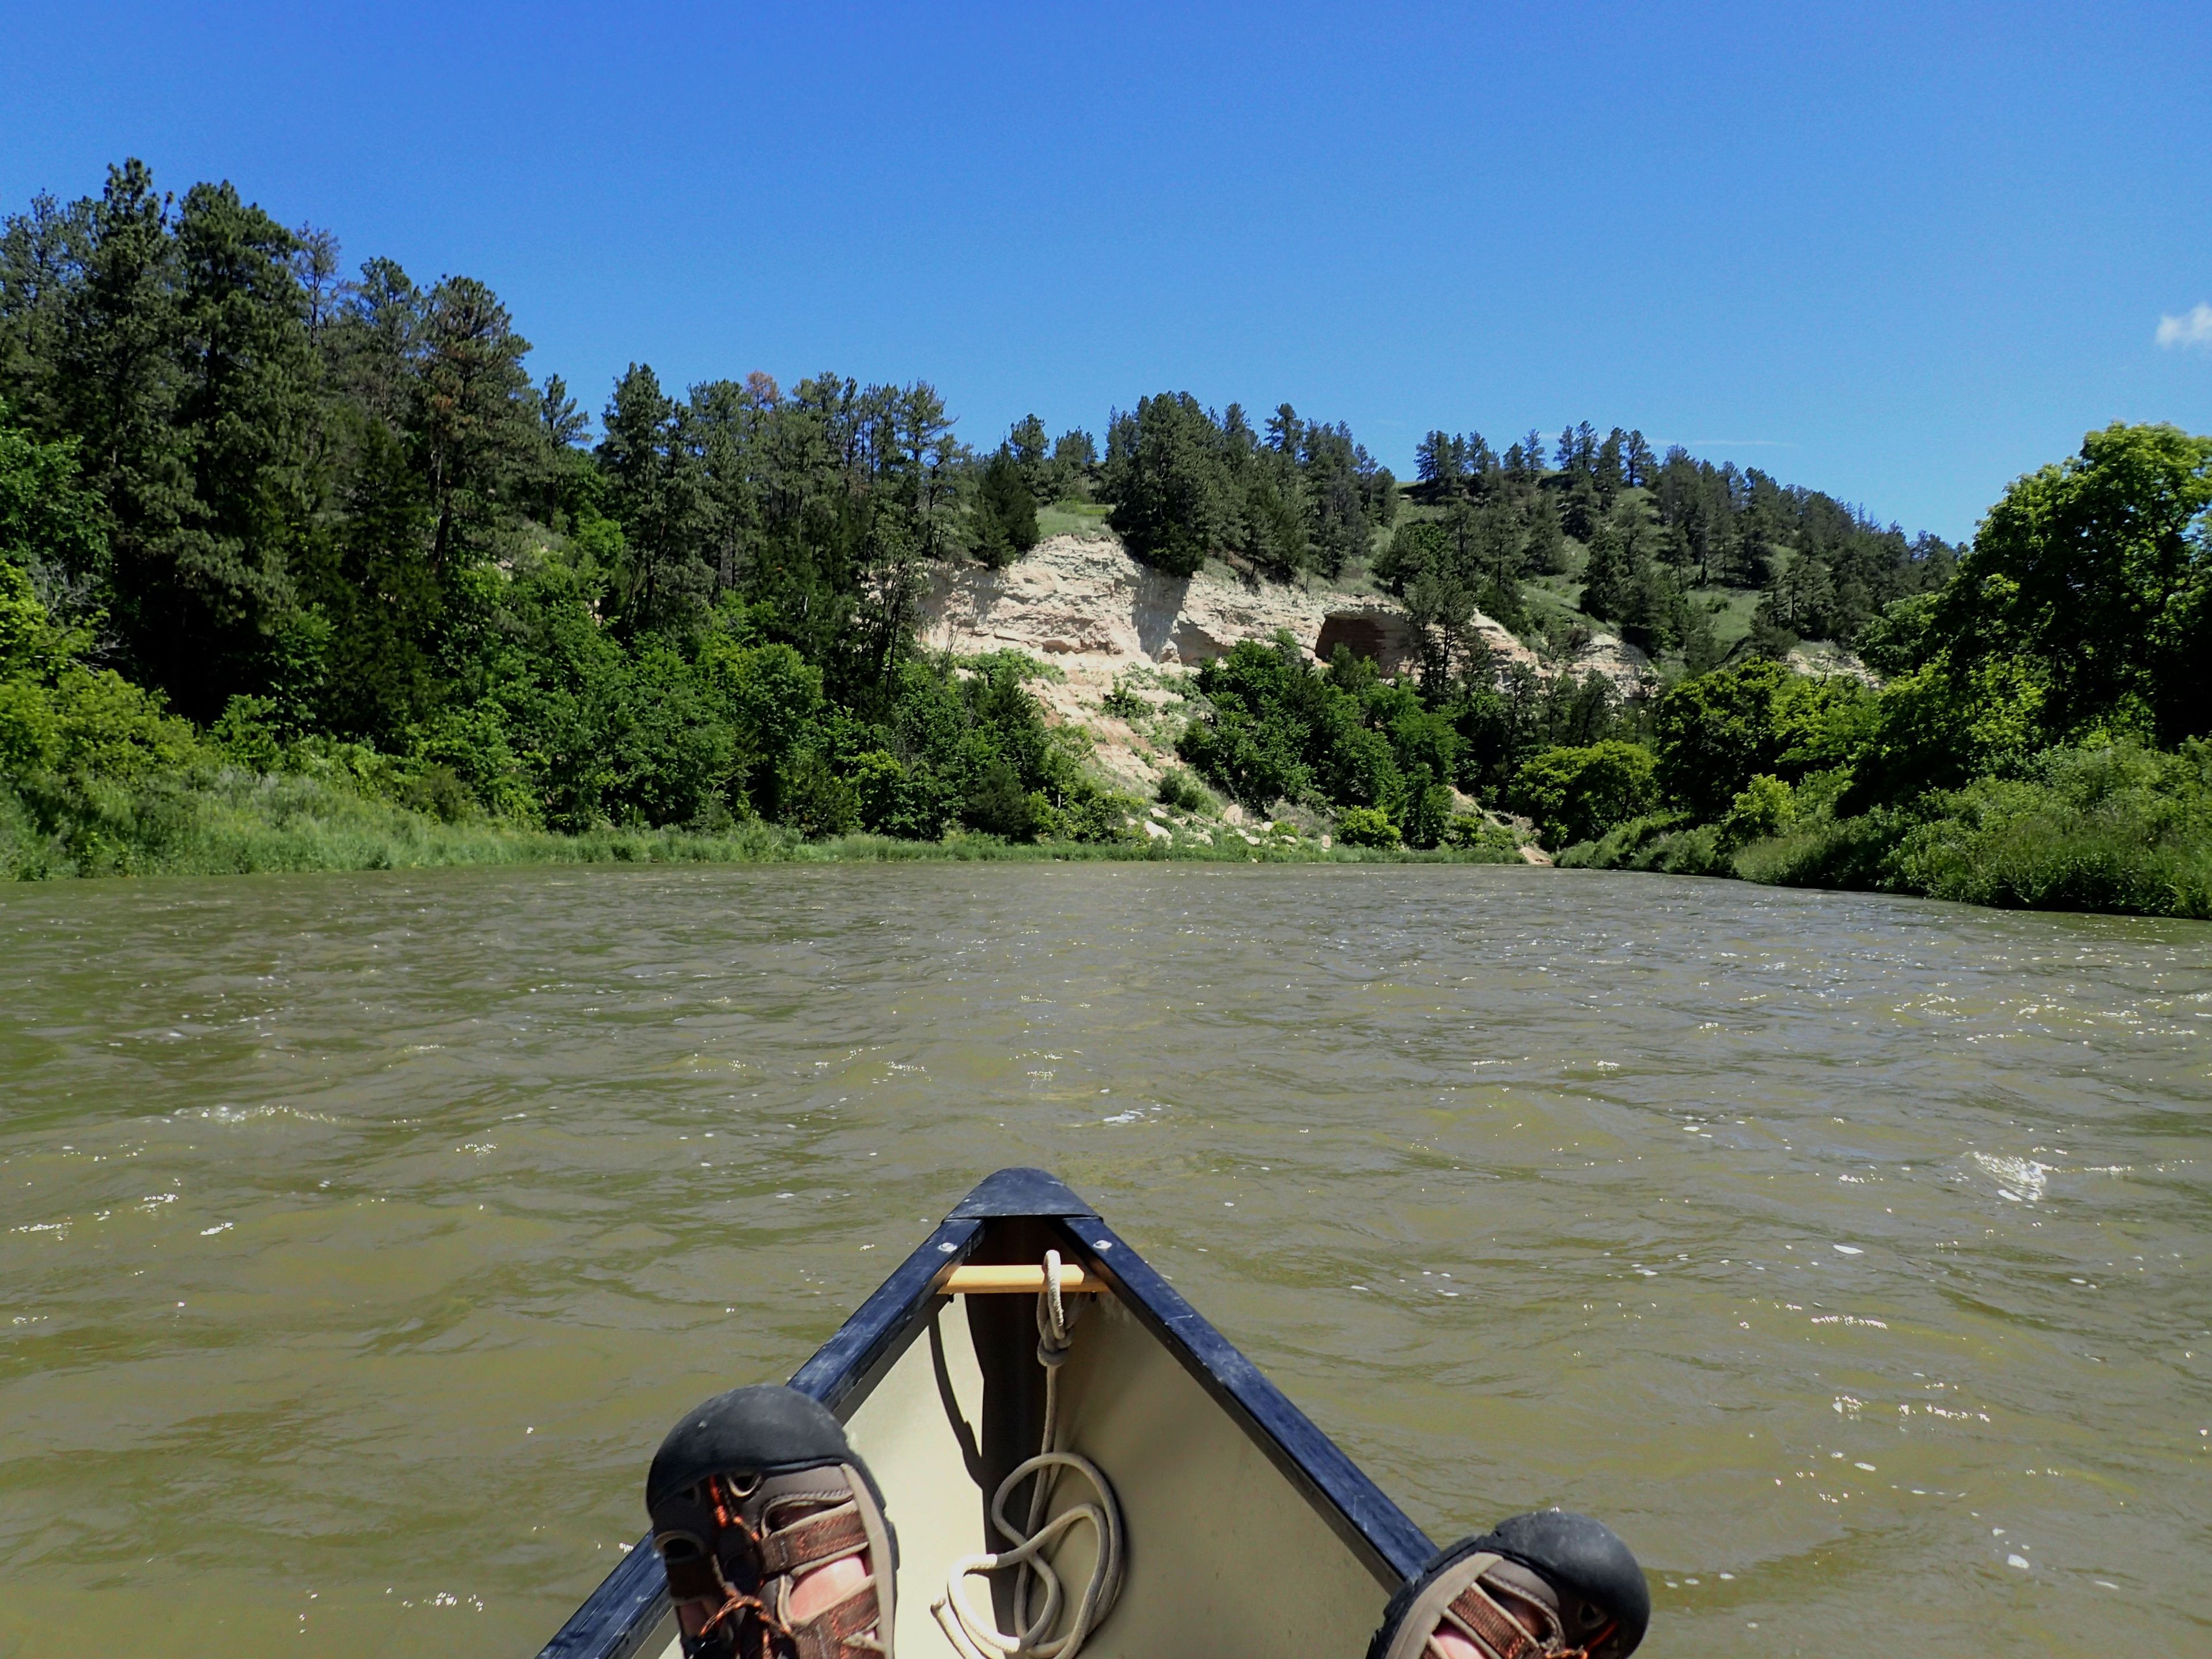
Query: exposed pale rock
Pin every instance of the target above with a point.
(1085, 597)
(1082, 603)
(1824, 657)
(1625, 666)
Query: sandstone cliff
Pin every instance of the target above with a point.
(1082, 603)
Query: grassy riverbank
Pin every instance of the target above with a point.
(233, 821)
(2012, 844)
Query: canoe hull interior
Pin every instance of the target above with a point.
(1246, 1532)
(1224, 1558)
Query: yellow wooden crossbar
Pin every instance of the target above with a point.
(1015, 1279)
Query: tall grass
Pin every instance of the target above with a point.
(235, 822)
(1072, 519)
(2111, 827)
(2116, 827)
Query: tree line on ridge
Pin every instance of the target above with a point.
(259, 514)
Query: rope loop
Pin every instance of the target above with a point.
(1054, 1319)
(975, 1635)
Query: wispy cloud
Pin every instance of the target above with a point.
(1738, 443)
(2192, 328)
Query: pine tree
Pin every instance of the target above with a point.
(1607, 471)
(1005, 511)
(474, 430)
(1637, 466)
(1166, 479)
(1027, 443)
(658, 499)
(1608, 578)
(561, 418)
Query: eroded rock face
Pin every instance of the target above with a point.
(1390, 641)
(1084, 597)
(1625, 666)
(1824, 657)
(1082, 603)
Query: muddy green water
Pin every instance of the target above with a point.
(359, 1235)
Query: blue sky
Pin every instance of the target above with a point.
(1900, 253)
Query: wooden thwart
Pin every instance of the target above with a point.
(1015, 1279)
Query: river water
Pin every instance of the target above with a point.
(360, 1235)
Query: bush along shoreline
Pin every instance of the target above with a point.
(215, 818)
(2042, 742)
(301, 570)
(2113, 827)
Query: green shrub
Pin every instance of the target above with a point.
(1713, 733)
(1471, 832)
(1121, 702)
(437, 791)
(1698, 852)
(877, 779)
(1943, 726)
(1093, 816)
(1428, 812)
(1853, 851)
(997, 804)
(815, 801)
(30, 729)
(1578, 794)
(1762, 808)
(1660, 843)
(247, 732)
(1366, 826)
(1179, 789)
(1268, 716)
(2109, 827)
(1897, 640)
(1620, 846)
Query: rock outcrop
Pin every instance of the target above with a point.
(1625, 665)
(1082, 603)
(1824, 657)
(1083, 598)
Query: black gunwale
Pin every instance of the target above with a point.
(618, 1617)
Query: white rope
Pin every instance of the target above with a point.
(977, 1636)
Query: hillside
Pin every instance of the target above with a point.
(264, 525)
(1111, 630)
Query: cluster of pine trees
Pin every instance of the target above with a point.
(1661, 536)
(2043, 737)
(2041, 740)
(1187, 485)
(302, 508)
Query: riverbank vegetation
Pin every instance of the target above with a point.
(2040, 739)
(300, 568)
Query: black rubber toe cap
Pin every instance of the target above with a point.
(1601, 1589)
(766, 1429)
(1585, 1561)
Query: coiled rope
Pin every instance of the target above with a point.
(1038, 1597)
